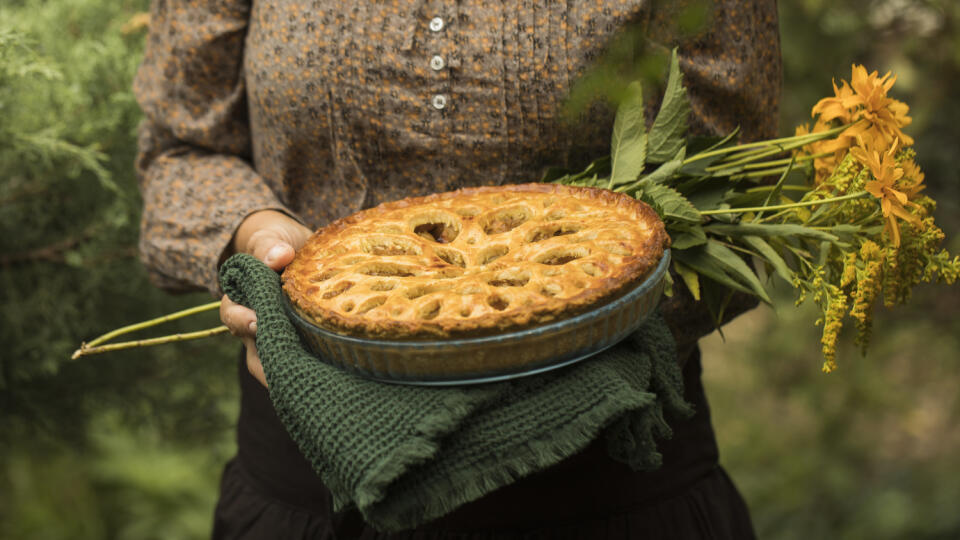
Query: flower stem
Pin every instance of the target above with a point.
(856, 195)
(86, 349)
(800, 140)
(152, 322)
(760, 189)
(773, 217)
(751, 155)
(745, 160)
(786, 161)
(760, 174)
(749, 163)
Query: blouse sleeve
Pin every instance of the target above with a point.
(193, 163)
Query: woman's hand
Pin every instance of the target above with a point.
(273, 237)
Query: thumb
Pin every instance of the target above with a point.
(272, 250)
(279, 256)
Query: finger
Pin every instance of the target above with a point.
(241, 321)
(254, 366)
(270, 248)
(300, 235)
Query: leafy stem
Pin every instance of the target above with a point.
(783, 143)
(761, 189)
(800, 204)
(724, 169)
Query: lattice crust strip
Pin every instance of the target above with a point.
(474, 261)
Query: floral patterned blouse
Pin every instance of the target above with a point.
(320, 108)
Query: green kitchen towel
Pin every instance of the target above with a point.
(404, 455)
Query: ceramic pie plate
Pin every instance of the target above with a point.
(490, 358)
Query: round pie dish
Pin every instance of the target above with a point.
(488, 358)
(474, 261)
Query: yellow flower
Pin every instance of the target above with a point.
(884, 186)
(865, 98)
(868, 285)
(849, 274)
(885, 114)
(912, 181)
(838, 107)
(833, 323)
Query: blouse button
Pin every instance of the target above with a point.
(439, 101)
(436, 63)
(436, 24)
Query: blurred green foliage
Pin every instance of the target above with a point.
(119, 446)
(869, 451)
(130, 445)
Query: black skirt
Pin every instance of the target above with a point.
(269, 491)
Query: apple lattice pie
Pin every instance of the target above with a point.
(475, 261)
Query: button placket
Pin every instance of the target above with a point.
(434, 43)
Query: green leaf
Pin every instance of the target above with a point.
(598, 167)
(668, 289)
(708, 266)
(736, 268)
(665, 171)
(824, 253)
(560, 175)
(667, 132)
(690, 278)
(740, 199)
(586, 181)
(708, 196)
(846, 228)
(669, 203)
(771, 256)
(697, 146)
(660, 175)
(769, 230)
(717, 299)
(628, 147)
(686, 236)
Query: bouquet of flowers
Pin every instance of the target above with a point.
(835, 210)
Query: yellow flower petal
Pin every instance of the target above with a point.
(875, 188)
(902, 197)
(902, 213)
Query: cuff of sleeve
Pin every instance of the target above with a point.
(192, 208)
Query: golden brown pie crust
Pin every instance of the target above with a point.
(474, 261)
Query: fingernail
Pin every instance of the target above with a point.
(275, 253)
(253, 327)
